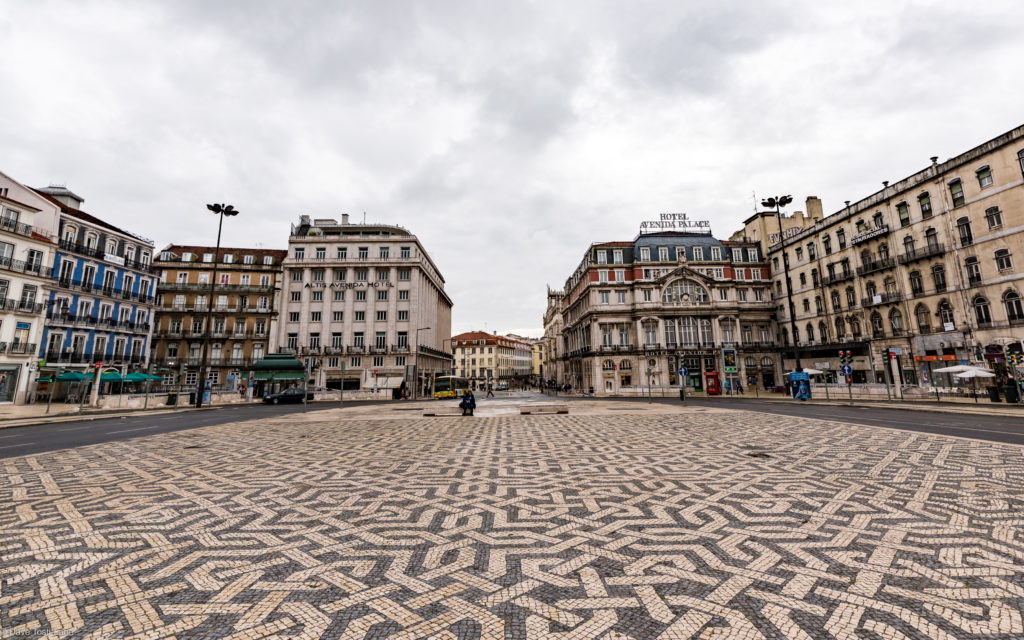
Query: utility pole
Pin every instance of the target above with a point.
(777, 203)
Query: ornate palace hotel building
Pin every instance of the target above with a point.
(663, 301)
(364, 306)
(926, 272)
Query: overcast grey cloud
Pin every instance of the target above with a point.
(506, 135)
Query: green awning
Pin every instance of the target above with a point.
(136, 376)
(72, 376)
(278, 375)
(43, 379)
(109, 376)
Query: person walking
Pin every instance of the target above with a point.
(468, 403)
(490, 391)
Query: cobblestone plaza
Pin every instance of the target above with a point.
(620, 520)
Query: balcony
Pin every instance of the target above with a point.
(13, 226)
(96, 252)
(837, 278)
(974, 279)
(876, 265)
(110, 291)
(758, 344)
(870, 234)
(20, 306)
(20, 266)
(923, 253)
(220, 288)
(401, 348)
(884, 298)
(17, 348)
(97, 323)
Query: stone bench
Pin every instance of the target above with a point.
(443, 411)
(531, 409)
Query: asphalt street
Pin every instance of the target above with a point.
(27, 440)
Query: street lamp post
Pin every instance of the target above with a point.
(416, 362)
(221, 211)
(777, 203)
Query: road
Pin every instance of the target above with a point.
(19, 441)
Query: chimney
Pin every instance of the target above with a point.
(885, 183)
(344, 218)
(813, 206)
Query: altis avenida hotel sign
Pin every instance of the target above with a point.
(674, 222)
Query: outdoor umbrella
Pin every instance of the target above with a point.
(975, 372)
(71, 376)
(135, 376)
(958, 368)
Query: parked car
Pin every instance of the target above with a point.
(293, 394)
(502, 386)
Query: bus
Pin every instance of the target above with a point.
(450, 387)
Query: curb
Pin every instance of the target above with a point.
(959, 408)
(10, 423)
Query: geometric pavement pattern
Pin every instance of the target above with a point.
(681, 523)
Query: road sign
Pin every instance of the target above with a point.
(846, 370)
(683, 372)
(896, 350)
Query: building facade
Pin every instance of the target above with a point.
(364, 305)
(484, 358)
(635, 313)
(101, 300)
(242, 311)
(924, 273)
(28, 230)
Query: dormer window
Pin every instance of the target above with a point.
(229, 258)
(207, 257)
(249, 259)
(268, 260)
(187, 256)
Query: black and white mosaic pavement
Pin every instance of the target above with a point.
(633, 524)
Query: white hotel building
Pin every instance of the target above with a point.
(363, 305)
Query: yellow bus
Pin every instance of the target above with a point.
(450, 387)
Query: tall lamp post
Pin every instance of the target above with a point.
(777, 203)
(416, 362)
(221, 211)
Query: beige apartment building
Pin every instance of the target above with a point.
(924, 273)
(484, 358)
(635, 314)
(364, 305)
(243, 311)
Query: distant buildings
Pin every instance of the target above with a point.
(483, 357)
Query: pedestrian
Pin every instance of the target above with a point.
(490, 391)
(739, 387)
(468, 403)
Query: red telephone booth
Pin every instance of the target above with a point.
(712, 383)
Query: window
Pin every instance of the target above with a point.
(338, 316)
(403, 274)
(248, 259)
(877, 328)
(293, 341)
(647, 295)
(339, 296)
(318, 275)
(981, 310)
(1020, 160)
(296, 296)
(645, 254)
(361, 274)
(851, 297)
(621, 297)
(360, 316)
(723, 294)
(382, 316)
(807, 305)
(1014, 311)
(340, 275)
(383, 275)
(925, 202)
(903, 211)
(931, 238)
(268, 259)
(380, 339)
(604, 297)
(741, 295)
(963, 226)
(716, 253)
(956, 192)
(916, 283)
(617, 256)
(799, 254)
(737, 255)
(698, 253)
(405, 252)
(321, 253)
(300, 253)
(803, 279)
(620, 275)
(984, 175)
(602, 257)
(684, 290)
(293, 316)
(403, 315)
(385, 253)
(945, 313)
(896, 322)
(342, 253)
(939, 276)
(834, 297)
(817, 304)
(364, 253)
(827, 243)
(1003, 261)
(973, 267)
(602, 275)
(403, 294)
(296, 276)
(314, 316)
(810, 251)
(355, 361)
(923, 317)
(841, 238)
(318, 296)
(993, 217)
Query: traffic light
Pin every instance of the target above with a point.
(845, 357)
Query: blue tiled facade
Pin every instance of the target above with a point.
(100, 307)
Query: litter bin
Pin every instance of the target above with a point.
(192, 397)
(993, 394)
(172, 399)
(1010, 391)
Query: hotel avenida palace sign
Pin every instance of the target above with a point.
(674, 222)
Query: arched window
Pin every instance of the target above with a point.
(810, 332)
(749, 362)
(890, 285)
(70, 233)
(931, 238)
(877, 328)
(609, 365)
(945, 313)
(878, 220)
(896, 321)
(840, 328)
(981, 310)
(908, 245)
(869, 288)
(822, 331)
(766, 362)
(963, 226)
(625, 365)
(91, 239)
(1014, 311)
(883, 251)
(785, 337)
(916, 283)
(684, 291)
(973, 267)
(855, 327)
(939, 276)
(835, 300)
(796, 335)
(865, 257)
(851, 297)
(923, 318)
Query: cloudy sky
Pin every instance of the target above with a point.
(507, 135)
